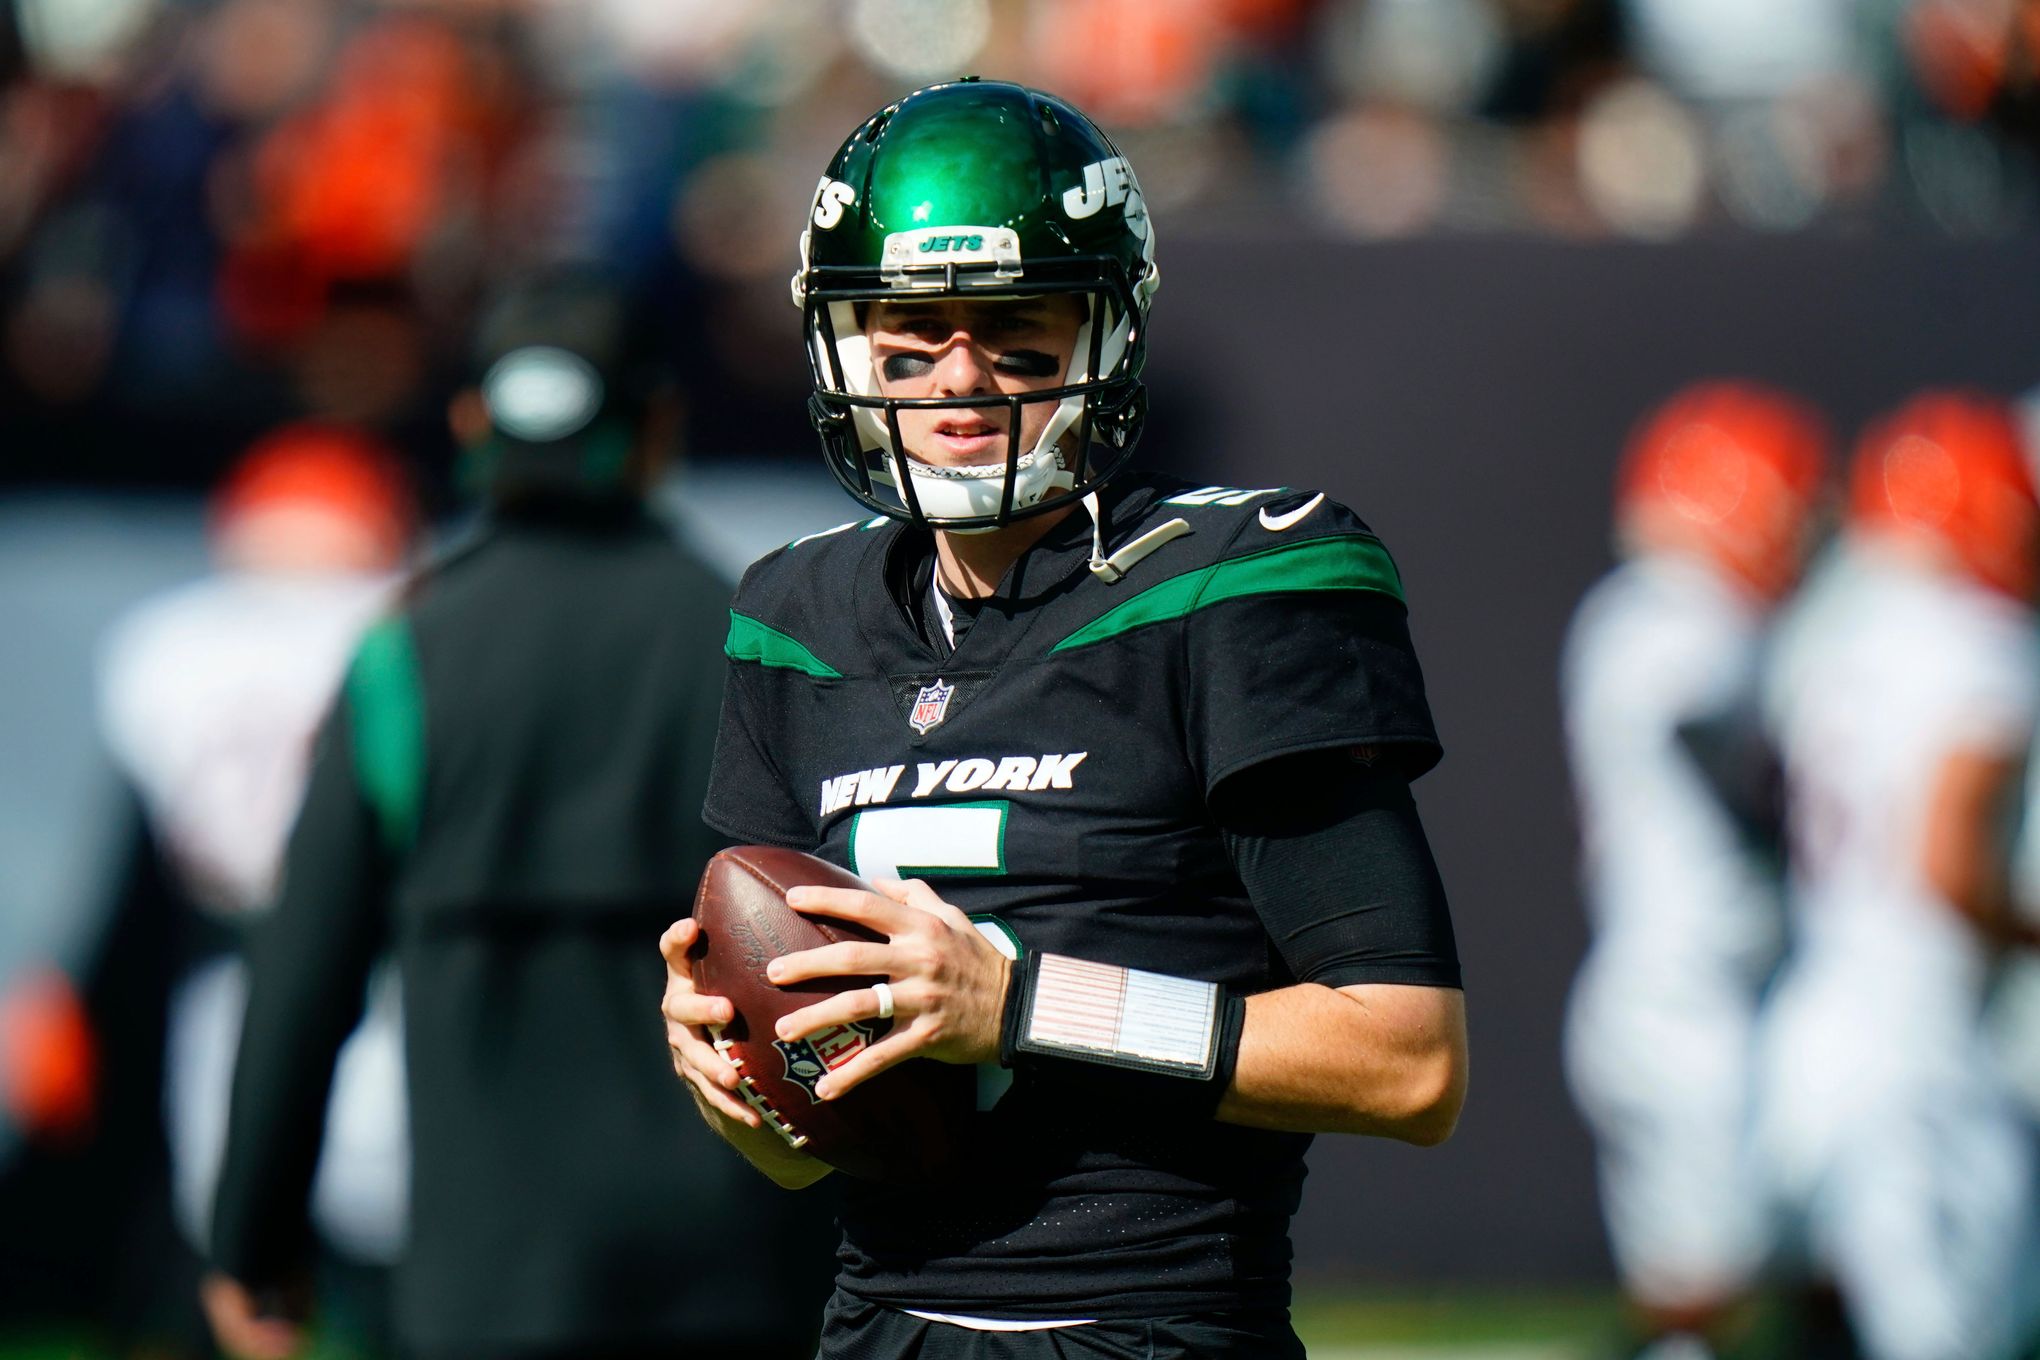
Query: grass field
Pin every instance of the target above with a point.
(1455, 1324)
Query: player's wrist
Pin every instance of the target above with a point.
(1009, 970)
(1067, 1015)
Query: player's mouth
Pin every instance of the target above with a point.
(970, 440)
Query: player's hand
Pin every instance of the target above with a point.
(948, 982)
(688, 1015)
(245, 1329)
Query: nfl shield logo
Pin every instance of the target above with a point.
(931, 706)
(809, 1060)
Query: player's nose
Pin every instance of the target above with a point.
(963, 370)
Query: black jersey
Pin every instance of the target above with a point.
(1053, 777)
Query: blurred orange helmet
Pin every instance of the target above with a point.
(1733, 469)
(1950, 466)
(311, 496)
(49, 1056)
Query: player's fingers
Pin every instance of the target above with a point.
(682, 1005)
(895, 1048)
(678, 939)
(850, 904)
(242, 1330)
(692, 1046)
(917, 894)
(846, 958)
(696, 1043)
(858, 1003)
(723, 1102)
(261, 1339)
(704, 1067)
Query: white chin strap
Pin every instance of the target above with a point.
(975, 490)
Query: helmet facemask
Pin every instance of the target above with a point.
(1098, 402)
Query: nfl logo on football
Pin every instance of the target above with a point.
(807, 1060)
(931, 706)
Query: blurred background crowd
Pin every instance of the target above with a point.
(214, 215)
(1439, 257)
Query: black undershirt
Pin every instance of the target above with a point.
(1334, 858)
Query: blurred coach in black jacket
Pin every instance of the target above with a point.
(506, 795)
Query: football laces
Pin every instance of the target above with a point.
(754, 1097)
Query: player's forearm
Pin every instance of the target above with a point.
(786, 1167)
(1390, 1061)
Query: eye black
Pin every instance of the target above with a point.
(900, 367)
(1027, 363)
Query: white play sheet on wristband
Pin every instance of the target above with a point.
(1102, 1008)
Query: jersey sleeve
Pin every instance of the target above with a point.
(1300, 642)
(749, 794)
(1334, 858)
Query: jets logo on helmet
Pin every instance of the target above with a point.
(831, 197)
(1106, 183)
(988, 190)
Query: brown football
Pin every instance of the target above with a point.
(905, 1124)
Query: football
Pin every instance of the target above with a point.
(906, 1124)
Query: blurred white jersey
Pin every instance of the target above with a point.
(1658, 643)
(1899, 1161)
(1882, 672)
(211, 696)
(1685, 915)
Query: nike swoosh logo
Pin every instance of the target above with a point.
(1277, 523)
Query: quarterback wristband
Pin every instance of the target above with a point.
(1060, 1007)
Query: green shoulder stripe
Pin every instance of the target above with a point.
(751, 640)
(1346, 562)
(387, 704)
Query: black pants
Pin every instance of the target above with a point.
(853, 1329)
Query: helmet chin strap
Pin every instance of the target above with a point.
(1114, 568)
(977, 491)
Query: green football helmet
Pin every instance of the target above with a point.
(977, 189)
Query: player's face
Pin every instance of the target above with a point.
(969, 347)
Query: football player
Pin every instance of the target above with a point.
(1668, 763)
(1126, 760)
(1902, 698)
(211, 696)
